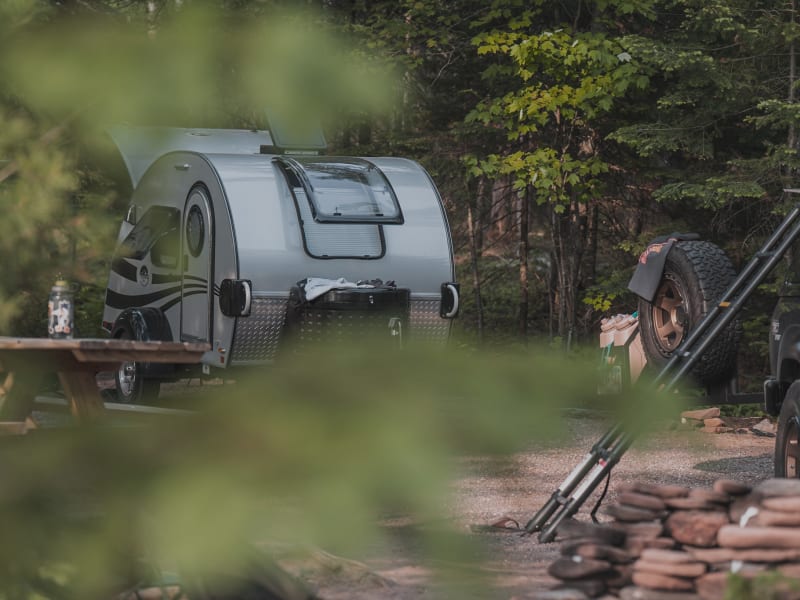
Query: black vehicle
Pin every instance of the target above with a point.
(782, 389)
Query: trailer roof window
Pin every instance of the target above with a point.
(362, 239)
(346, 190)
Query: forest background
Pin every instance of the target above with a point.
(562, 135)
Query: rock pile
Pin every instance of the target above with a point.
(676, 543)
(708, 420)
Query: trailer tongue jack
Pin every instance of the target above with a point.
(607, 451)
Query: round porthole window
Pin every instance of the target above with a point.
(195, 231)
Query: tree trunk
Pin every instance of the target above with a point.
(152, 16)
(792, 137)
(588, 274)
(405, 113)
(474, 254)
(364, 134)
(480, 217)
(558, 267)
(568, 230)
(346, 136)
(523, 199)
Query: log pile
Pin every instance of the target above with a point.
(671, 542)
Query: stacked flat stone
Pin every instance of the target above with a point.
(661, 566)
(666, 533)
(673, 543)
(694, 518)
(764, 534)
(593, 560)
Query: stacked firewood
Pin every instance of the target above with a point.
(676, 542)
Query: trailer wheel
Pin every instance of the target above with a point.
(696, 274)
(132, 386)
(787, 442)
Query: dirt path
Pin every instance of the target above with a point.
(517, 486)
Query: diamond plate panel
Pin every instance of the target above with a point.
(332, 326)
(257, 336)
(426, 324)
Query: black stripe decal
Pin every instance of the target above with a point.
(193, 278)
(167, 305)
(159, 278)
(123, 268)
(129, 271)
(123, 301)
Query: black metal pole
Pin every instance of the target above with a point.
(595, 476)
(598, 452)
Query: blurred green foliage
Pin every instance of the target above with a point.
(316, 450)
(311, 453)
(200, 65)
(67, 77)
(770, 585)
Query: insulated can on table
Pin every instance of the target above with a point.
(60, 311)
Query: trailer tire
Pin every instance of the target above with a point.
(696, 275)
(132, 387)
(787, 441)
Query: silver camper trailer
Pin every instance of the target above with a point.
(233, 240)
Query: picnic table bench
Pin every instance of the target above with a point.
(26, 361)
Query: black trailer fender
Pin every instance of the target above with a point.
(145, 325)
(650, 267)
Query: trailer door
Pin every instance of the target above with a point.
(197, 273)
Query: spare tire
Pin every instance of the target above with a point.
(696, 275)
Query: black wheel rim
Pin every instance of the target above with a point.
(669, 315)
(791, 447)
(127, 380)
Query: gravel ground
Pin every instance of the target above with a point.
(512, 565)
(506, 565)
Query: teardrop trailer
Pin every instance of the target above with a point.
(224, 224)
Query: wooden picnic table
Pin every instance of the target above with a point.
(76, 361)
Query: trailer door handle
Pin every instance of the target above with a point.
(248, 298)
(449, 305)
